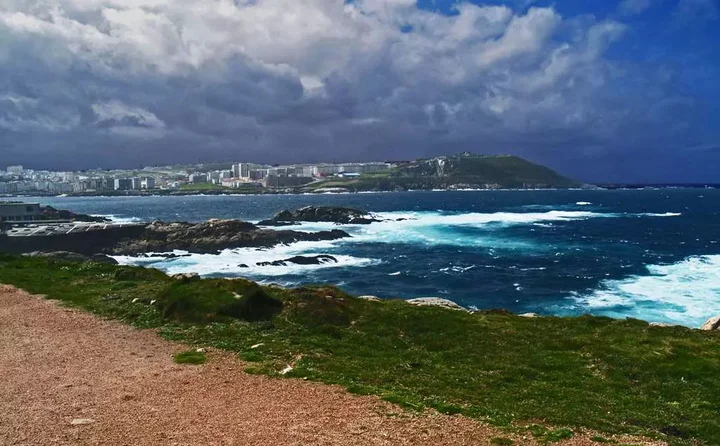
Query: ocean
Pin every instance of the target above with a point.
(646, 254)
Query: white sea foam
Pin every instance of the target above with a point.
(665, 214)
(116, 219)
(435, 228)
(686, 293)
(583, 203)
(228, 261)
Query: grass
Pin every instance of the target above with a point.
(609, 376)
(190, 357)
(202, 187)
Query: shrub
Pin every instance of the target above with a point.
(322, 307)
(214, 300)
(136, 273)
(254, 305)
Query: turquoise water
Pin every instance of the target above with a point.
(649, 254)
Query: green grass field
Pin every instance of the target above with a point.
(611, 376)
(203, 187)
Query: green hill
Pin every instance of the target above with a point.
(465, 170)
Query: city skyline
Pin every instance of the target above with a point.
(18, 179)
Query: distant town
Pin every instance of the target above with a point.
(19, 180)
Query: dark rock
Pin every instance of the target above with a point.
(102, 258)
(212, 236)
(242, 265)
(331, 214)
(160, 237)
(312, 260)
(50, 213)
(301, 260)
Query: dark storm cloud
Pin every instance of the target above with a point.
(86, 83)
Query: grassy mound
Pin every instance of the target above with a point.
(611, 376)
(216, 300)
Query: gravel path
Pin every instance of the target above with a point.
(120, 387)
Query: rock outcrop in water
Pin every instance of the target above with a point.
(161, 237)
(50, 213)
(301, 260)
(330, 214)
(213, 236)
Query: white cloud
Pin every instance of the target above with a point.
(268, 76)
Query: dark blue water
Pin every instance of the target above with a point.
(651, 254)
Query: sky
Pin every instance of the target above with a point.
(600, 90)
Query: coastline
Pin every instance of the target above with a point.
(505, 256)
(230, 193)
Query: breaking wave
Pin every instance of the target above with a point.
(118, 219)
(229, 262)
(459, 229)
(685, 293)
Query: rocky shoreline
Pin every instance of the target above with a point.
(208, 237)
(212, 236)
(162, 238)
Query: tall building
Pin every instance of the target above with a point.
(15, 170)
(123, 184)
(147, 183)
(198, 178)
(245, 169)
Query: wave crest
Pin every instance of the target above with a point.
(685, 293)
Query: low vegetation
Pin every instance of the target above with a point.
(202, 187)
(610, 376)
(190, 357)
(465, 170)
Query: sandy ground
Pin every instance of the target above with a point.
(61, 366)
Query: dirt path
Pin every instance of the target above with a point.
(60, 365)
